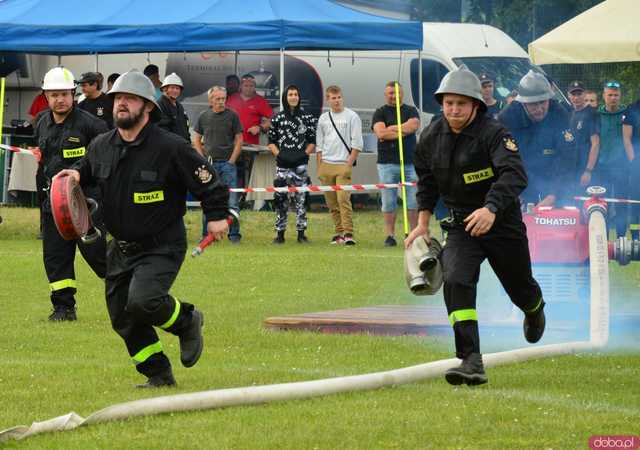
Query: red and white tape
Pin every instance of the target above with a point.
(613, 200)
(35, 151)
(334, 188)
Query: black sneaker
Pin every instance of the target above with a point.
(337, 240)
(63, 314)
(279, 239)
(533, 324)
(163, 379)
(470, 372)
(390, 241)
(349, 240)
(191, 340)
(302, 239)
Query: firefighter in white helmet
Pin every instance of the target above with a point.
(174, 118)
(63, 133)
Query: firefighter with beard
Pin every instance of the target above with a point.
(63, 133)
(144, 173)
(472, 162)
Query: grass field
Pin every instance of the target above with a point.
(50, 369)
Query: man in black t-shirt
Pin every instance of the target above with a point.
(95, 102)
(384, 124)
(586, 129)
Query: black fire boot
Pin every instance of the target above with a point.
(302, 239)
(470, 372)
(163, 379)
(191, 340)
(534, 323)
(279, 239)
(63, 313)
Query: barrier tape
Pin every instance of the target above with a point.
(35, 152)
(612, 200)
(334, 188)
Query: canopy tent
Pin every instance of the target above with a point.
(135, 26)
(608, 32)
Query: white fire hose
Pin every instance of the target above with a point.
(599, 334)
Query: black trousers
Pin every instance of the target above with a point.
(507, 249)
(59, 256)
(137, 293)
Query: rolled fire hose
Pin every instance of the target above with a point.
(70, 211)
(219, 398)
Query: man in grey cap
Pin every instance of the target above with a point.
(144, 173)
(546, 141)
(473, 163)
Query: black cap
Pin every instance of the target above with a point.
(486, 77)
(575, 86)
(89, 77)
(151, 69)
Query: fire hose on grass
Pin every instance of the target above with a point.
(599, 334)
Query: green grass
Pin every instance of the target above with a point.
(50, 369)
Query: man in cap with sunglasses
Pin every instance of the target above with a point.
(472, 162)
(547, 144)
(612, 170)
(144, 173)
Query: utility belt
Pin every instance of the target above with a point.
(172, 233)
(457, 216)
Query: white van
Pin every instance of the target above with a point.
(362, 74)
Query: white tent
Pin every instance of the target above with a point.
(608, 32)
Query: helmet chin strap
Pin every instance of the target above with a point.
(471, 116)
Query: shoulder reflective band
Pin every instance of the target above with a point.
(479, 175)
(173, 317)
(73, 152)
(148, 197)
(463, 314)
(62, 284)
(146, 352)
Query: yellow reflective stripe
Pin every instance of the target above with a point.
(479, 175)
(67, 74)
(173, 317)
(148, 197)
(463, 314)
(634, 227)
(73, 152)
(62, 284)
(146, 352)
(535, 308)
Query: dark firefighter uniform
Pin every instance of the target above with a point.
(548, 149)
(174, 118)
(144, 185)
(478, 167)
(62, 145)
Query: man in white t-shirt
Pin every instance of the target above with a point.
(338, 143)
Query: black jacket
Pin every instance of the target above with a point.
(291, 133)
(64, 144)
(481, 165)
(144, 183)
(174, 118)
(548, 149)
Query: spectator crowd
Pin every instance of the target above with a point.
(593, 140)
